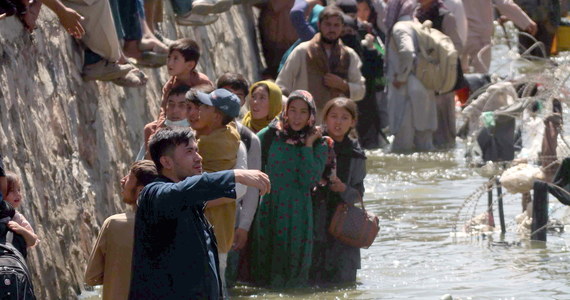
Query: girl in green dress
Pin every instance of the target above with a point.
(294, 157)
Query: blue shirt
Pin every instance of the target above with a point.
(175, 253)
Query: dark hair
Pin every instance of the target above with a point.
(12, 180)
(235, 81)
(165, 140)
(331, 11)
(261, 85)
(225, 118)
(192, 94)
(372, 19)
(144, 171)
(179, 90)
(187, 47)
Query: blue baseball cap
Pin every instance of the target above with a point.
(223, 100)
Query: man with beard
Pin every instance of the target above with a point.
(324, 66)
(175, 254)
(110, 261)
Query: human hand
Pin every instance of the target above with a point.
(316, 134)
(71, 21)
(369, 41)
(398, 84)
(531, 28)
(334, 81)
(240, 239)
(253, 178)
(502, 19)
(365, 25)
(336, 185)
(17, 228)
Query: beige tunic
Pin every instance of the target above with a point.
(294, 75)
(111, 257)
(100, 34)
(480, 22)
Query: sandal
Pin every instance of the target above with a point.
(151, 59)
(134, 78)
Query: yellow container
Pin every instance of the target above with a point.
(563, 38)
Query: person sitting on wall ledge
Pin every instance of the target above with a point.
(92, 23)
(199, 12)
(138, 43)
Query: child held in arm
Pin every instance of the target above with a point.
(183, 56)
(19, 224)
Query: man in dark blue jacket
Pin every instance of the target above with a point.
(175, 254)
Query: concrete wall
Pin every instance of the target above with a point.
(71, 141)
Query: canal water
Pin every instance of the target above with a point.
(419, 255)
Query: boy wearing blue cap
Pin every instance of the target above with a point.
(219, 145)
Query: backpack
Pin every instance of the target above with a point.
(437, 60)
(15, 281)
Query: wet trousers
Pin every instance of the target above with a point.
(477, 54)
(444, 136)
(408, 138)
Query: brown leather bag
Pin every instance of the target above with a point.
(354, 226)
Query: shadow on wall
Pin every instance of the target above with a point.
(71, 141)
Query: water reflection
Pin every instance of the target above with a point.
(416, 256)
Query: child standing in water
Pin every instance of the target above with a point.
(282, 232)
(19, 224)
(334, 262)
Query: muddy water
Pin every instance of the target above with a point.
(417, 254)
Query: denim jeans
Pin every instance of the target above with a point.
(181, 7)
(128, 16)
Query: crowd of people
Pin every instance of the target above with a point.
(278, 155)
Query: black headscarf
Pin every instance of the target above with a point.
(345, 150)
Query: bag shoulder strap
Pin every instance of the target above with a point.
(266, 144)
(244, 135)
(10, 247)
(350, 166)
(10, 237)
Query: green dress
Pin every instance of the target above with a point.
(282, 232)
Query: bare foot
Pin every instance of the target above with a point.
(123, 59)
(153, 44)
(131, 49)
